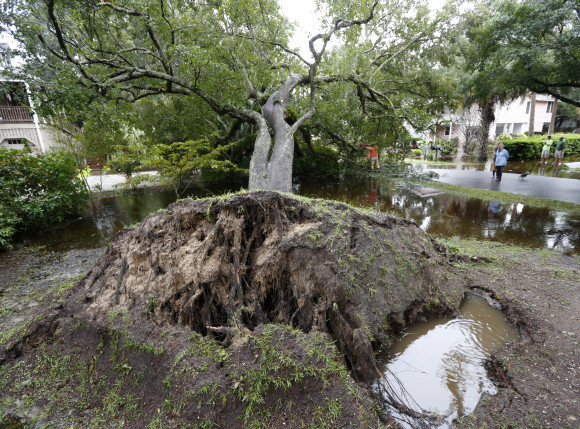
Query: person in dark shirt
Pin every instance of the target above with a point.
(559, 154)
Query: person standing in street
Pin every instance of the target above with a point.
(546, 150)
(493, 169)
(501, 158)
(559, 154)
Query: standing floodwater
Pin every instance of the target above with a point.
(437, 366)
(438, 213)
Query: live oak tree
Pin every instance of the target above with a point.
(235, 54)
(529, 45)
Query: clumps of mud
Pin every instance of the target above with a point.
(221, 267)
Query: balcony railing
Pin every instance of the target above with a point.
(15, 114)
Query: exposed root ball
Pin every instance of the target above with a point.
(257, 258)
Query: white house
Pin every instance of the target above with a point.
(510, 118)
(18, 121)
(514, 118)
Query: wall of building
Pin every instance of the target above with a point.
(11, 131)
(17, 132)
(514, 117)
(511, 118)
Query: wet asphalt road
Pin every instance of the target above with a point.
(554, 188)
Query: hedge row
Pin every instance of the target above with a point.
(522, 148)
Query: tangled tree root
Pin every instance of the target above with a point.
(227, 265)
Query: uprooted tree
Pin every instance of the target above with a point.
(225, 268)
(235, 54)
(241, 311)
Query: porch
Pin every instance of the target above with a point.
(15, 114)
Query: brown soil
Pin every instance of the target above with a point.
(539, 376)
(264, 310)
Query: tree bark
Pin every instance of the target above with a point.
(553, 119)
(259, 161)
(532, 114)
(274, 172)
(487, 117)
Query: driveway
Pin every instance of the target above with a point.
(110, 182)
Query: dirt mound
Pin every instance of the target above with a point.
(259, 258)
(240, 311)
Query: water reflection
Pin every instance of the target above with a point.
(443, 214)
(106, 216)
(440, 362)
(492, 208)
(436, 212)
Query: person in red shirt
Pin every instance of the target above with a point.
(374, 154)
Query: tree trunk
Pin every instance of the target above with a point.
(532, 114)
(259, 161)
(487, 118)
(553, 119)
(274, 172)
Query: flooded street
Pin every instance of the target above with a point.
(439, 363)
(439, 213)
(443, 214)
(569, 170)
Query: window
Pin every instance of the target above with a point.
(447, 130)
(528, 104)
(15, 141)
(550, 107)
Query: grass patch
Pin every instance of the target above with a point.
(504, 197)
(493, 250)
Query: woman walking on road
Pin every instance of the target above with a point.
(501, 157)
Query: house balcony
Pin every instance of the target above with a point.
(15, 114)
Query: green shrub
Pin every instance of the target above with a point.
(503, 137)
(37, 191)
(324, 161)
(416, 152)
(522, 148)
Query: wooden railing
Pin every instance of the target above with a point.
(15, 114)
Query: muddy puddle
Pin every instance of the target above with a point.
(436, 212)
(437, 366)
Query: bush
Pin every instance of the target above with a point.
(324, 161)
(522, 148)
(503, 137)
(416, 152)
(449, 146)
(37, 191)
